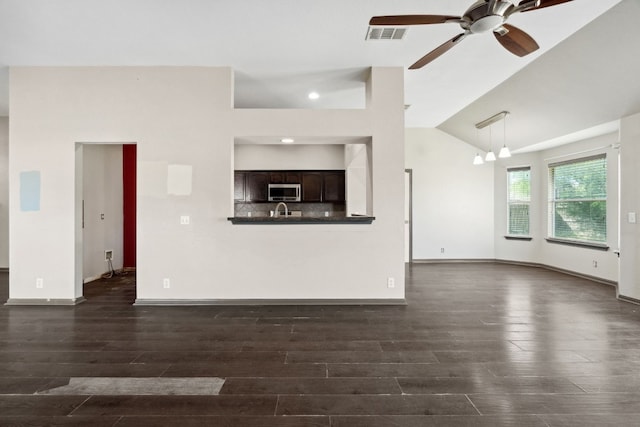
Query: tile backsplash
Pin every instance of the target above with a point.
(307, 209)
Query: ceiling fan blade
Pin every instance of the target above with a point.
(517, 41)
(544, 3)
(413, 19)
(435, 53)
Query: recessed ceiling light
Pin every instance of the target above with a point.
(314, 95)
(287, 140)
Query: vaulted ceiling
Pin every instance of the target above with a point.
(283, 49)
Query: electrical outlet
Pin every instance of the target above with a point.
(166, 283)
(184, 220)
(39, 283)
(108, 255)
(441, 250)
(391, 282)
(595, 264)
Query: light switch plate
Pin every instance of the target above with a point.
(184, 220)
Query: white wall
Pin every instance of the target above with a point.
(4, 192)
(463, 208)
(291, 157)
(629, 284)
(356, 162)
(519, 250)
(538, 250)
(102, 193)
(183, 116)
(452, 199)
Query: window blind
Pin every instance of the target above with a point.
(578, 199)
(519, 201)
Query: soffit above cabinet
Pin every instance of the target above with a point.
(301, 140)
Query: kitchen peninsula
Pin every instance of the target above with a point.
(303, 220)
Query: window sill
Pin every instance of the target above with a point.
(527, 238)
(597, 246)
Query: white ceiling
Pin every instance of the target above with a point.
(579, 89)
(282, 49)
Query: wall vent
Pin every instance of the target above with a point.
(386, 33)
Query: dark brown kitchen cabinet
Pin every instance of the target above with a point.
(238, 186)
(312, 186)
(333, 190)
(285, 177)
(276, 178)
(317, 185)
(256, 186)
(292, 178)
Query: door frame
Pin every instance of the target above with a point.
(410, 208)
(79, 211)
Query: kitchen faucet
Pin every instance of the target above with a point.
(286, 210)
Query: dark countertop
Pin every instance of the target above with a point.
(301, 220)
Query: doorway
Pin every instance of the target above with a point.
(105, 211)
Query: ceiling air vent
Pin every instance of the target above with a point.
(385, 33)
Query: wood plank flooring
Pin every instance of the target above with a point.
(478, 344)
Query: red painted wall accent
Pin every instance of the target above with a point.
(129, 156)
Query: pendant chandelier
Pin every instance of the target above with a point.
(504, 151)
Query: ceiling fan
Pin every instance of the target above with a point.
(481, 17)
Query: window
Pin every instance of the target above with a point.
(519, 182)
(578, 200)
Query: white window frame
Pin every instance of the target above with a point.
(553, 201)
(518, 201)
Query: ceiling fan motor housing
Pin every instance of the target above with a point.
(480, 19)
(486, 23)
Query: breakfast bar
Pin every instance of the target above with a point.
(280, 220)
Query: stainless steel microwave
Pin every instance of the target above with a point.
(284, 192)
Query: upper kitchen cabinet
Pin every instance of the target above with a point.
(312, 186)
(238, 186)
(256, 186)
(317, 186)
(333, 190)
(285, 177)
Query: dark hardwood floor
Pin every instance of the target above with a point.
(477, 345)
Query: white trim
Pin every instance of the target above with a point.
(246, 302)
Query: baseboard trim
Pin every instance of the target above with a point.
(104, 275)
(607, 282)
(91, 279)
(538, 265)
(452, 261)
(628, 299)
(521, 263)
(285, 302)
(561, 270)
(43, 301)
